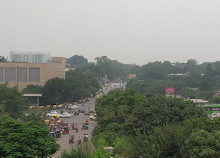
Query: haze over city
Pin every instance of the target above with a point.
(129, 31)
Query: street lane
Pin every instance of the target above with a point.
(79, 119)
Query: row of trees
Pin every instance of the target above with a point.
(152, 78)
(76, 85)
(103, 66)
(154, 127)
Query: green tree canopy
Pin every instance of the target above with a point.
(202, 144)
(25, 139)
(2, 59)
(12, 101)
(54, 91)
(77, 61)
(33, 89)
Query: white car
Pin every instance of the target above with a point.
(75, 107)
(53, 113)
(65, 114)
(92, 117)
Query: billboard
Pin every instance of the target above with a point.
(169, 90)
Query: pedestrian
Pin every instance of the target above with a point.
(79, 140)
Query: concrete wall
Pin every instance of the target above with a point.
(52, 69)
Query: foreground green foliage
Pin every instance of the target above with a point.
(81, 151)
(25, 139)
(154, 127)
(202, 144)
(85, 150)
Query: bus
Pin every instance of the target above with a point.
(212, 108)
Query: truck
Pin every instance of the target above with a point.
(215, 115)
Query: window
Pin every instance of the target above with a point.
(34, 74)
(22, 74)
(9, 74)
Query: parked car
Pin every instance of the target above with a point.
(75, 107)
(53, 113)
(92, 117)
(65, 114)
(215, 115)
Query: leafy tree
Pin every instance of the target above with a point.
(80, 84)
(35, 114)
(11, 101)
(2, 59)
(191, 65)
(216, 99)
(54, 91)
(159, 110)
(81, 151)
(33, 89)
(107, 107)
(77, 61)
(112, 68)
(25, 139)
(101, 153)
(201, 144)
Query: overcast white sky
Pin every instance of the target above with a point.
(130, 31)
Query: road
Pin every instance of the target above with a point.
(79, 119)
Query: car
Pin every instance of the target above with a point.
(53, 113)
(75, 107)
(65, 114)
(92, 117)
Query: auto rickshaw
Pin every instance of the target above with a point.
(65, 130)
(49, 106)
(59, 122)
(60, 106)
(52, 134)
(85, 137)
(56, 116)
(87, 122)
(85, 127)
(58, 133)
(74, 126)
(76, 113)
(53, 127)
(71, 139)
(47, 122)
(31, 107)
(53, 120)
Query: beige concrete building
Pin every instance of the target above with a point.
(24, 73)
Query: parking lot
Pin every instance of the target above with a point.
(79, 120)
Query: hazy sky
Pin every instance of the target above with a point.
(130, 31)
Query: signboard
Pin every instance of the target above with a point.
(132, 76)
(169, 90)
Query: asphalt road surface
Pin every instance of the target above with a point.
(79, 119)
